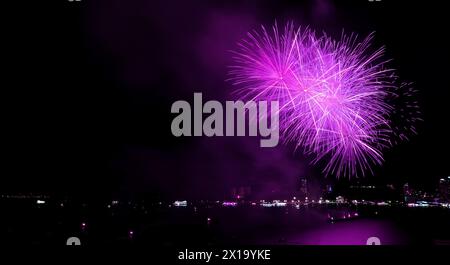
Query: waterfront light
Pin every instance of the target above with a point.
(229, 204)
(180, 203)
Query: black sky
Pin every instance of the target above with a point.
(87, 108)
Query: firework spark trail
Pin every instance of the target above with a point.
(332, 94)
(406, 114)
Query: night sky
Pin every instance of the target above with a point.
(87, 111)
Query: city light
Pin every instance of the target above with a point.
(130, 234)
(267, 204)
(180, 203)
(229, 204)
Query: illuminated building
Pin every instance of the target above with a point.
(304, 187)
(408, 194)
(241, 192)
(340, 199)
(444, 189)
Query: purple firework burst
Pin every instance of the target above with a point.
(333, 94)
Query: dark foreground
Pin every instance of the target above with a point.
(118, 223)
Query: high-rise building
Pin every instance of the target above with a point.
(241, 192)
(444, 189)
(408, 193)
(304, 187)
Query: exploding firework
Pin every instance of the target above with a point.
(333, 94)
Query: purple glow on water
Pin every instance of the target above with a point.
(350, 233)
